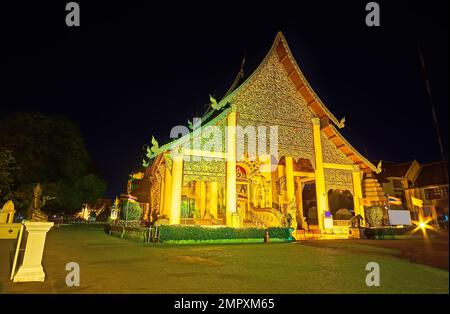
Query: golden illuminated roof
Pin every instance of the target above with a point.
(327, 120)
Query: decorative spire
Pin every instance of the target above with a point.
(238, 78)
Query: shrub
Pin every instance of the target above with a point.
(343, 214)
(387, 232)
(279, 232)
(130, 210)
(199, 233)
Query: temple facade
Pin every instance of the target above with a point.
(301, 159)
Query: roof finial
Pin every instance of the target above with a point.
(243, 63)
(238, 78)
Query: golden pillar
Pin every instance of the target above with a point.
(290, 192)
(213, 195)
(160, 201)
(197, 196)
(177, 182)
(202, 199)
(281, 195)
(320, 175)
(299, 200)
(167, 191)
(357, 192)
(290, 180)
(231, 169)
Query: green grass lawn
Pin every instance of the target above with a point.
(113, 265)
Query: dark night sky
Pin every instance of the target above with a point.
(133, 70)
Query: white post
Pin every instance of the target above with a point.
(31, 268)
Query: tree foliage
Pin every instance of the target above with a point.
(130, 211)
(50, 150)
(7, 169)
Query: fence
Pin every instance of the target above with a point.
(84, 222)
(142, 234)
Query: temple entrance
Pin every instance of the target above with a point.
(309, 202)
(341, 204)
(202, 203)
(243, 199)
(187, 210)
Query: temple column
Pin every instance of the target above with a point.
(280, 196)
(357, 192)
(177, 182)
(320, 174)
(167, 191)
(290, 180)
(213, 188)
(290, 192)
(162, 189)
(299, 200)
(202, 199)
(197, 196)
(231, 170)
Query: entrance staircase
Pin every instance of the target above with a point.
(263, 218)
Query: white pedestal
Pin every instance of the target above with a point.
(31, 268)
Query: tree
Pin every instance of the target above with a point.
(90, 187)
(7, 171)
(50, 149)
(130, 210)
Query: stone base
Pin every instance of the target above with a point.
(292, 231)
(356, 233)
(236, 220)
(31, 268)
(30, 273)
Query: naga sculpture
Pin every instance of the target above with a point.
(34, 210)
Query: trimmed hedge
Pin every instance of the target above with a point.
(386, 233)
(198, 233)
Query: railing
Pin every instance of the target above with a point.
(84, 222)
(200, 221)
(258, 222)
(146, 234)
(268, 216)
(153, 234)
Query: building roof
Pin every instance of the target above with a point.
(285, 56)
(435, 173)
(328, 121)
(394, 169)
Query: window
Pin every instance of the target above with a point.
(433, 194)
(397, 183)
(444, 192)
